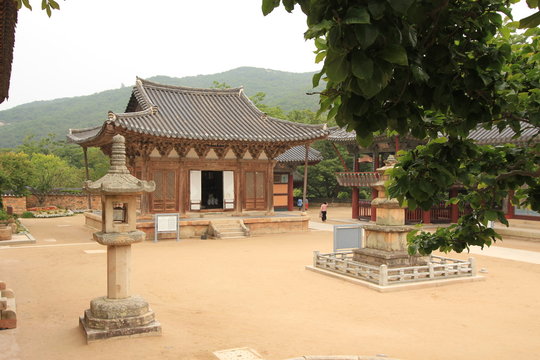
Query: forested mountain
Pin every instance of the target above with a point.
(284, 89)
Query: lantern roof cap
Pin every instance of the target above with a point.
(118, 180)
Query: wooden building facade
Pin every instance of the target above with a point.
(382, 146)
(208, 150)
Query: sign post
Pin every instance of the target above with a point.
(347, 237)
(166, 223)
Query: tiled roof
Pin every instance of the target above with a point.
(297, 155)
(494, 137)
(479, 135)
(201, 114)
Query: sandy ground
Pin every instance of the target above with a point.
(212, 295)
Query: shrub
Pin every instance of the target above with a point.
(4, 215)
(27, 215)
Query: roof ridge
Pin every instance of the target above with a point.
(76, 131)
(148, 111)
(145, 82)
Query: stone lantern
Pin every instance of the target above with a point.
(385, 242)
(119, 314)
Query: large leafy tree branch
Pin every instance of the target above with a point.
(431, 69)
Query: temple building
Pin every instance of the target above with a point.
(207, 150)
(383, 146)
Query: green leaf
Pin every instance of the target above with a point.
(27, 4)
(54, 5)
(357, 15)
(317, 78)
(491, 215)
(268, 6)
(395, 54)
(369, 87)
(366, 34)
(530, 21)
(320, 57)
(376, 8)
(401, 6)
(289, 5)
(419, 74)
(337, 66)
(362, 66)
(532, 3)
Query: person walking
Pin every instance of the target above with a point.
(324, 207)
(299, 203)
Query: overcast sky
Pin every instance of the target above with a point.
(94, 45)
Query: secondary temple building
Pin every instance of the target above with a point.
(207, 150)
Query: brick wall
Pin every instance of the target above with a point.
(67, 201)
(17, 203)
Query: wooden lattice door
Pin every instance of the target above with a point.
(165, 198)
(255, 194)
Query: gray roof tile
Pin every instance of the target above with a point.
(297, 155)
(201, 114)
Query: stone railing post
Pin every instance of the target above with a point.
(383, 275)
(473, 266)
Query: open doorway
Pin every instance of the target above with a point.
(211, 189)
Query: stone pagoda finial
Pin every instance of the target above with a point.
(118, 156)
(118, 180)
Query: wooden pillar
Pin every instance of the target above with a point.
(511, 211)
(145, 199)
(290, 191)
(87, 175)
(305, 178)
(239, 178)
(454, 210)
(355, 189)
(426, 216)
(374, 193)
(270, 187)
(182, 188)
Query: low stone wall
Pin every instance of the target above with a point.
(17, 203)
(67, 201)
(20, 204)
(194, 228)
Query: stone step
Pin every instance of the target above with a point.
(521, 233)
(520, 223)
(232, 233)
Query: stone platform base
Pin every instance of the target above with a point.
(117, 318)
(391, 259)
(92, 335)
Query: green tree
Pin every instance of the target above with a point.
(15, 172)
(429, 68)
(50, 172)
(322, 183)
(273, 111)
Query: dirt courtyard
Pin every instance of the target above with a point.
(212, 295)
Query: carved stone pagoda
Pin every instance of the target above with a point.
(119, 314)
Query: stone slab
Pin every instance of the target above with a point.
(398, 287)
(93, 335)
(237, 354)
(118, 323)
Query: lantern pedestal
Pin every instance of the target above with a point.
(108, 318)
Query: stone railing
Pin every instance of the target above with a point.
(364, 179)
(438, 268)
